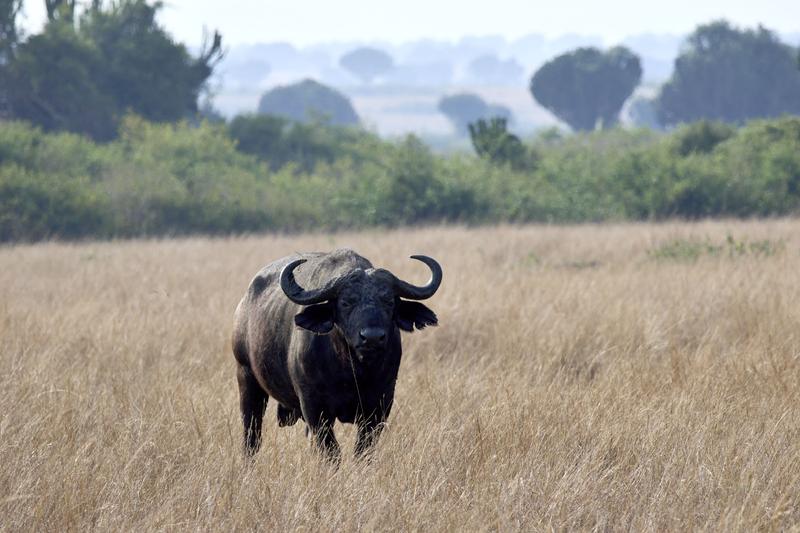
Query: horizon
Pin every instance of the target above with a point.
(611, 22)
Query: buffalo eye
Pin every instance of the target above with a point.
(347, 304)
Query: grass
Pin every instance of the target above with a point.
(574, 383)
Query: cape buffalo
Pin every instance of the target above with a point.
(341, 360)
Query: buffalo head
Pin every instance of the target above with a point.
(363, 305)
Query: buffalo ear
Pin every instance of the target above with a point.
(411, 314)
(317, 318)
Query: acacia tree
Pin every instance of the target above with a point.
(586, 88)
(308, 101)
(367, 63)
(731, 75)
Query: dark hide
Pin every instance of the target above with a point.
(336, 360)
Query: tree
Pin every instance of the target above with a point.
(367, 63)
(9, 33)
(9, 37)
(308, 101)
(464, 108)
(54, 82)
(118, 60)
(731, 75)
(145, 69)
(492, 140)
(60, 10)
(586, 88)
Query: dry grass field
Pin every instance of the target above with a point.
(608, 377)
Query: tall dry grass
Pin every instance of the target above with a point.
(576, 381)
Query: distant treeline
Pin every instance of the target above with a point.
(261, 173)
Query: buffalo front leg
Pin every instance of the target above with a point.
(321, 427)
(252, 403)
(370, 428)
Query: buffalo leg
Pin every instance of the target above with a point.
(368, 432)
(287, 416)
(370, 428)
(252, 402)
(321, 427)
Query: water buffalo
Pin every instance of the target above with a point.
(341, 360)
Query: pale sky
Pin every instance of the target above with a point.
(304, 22)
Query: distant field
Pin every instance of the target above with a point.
(582, 377)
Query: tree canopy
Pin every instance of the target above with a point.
(85, 77)
(732, 75)
(9, 33)
(367, 63)
(587, 87)
(308, 101)
(464, 108)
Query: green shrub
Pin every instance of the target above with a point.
(692, 249)
(35, 206)
(157, 179)
(700, 137)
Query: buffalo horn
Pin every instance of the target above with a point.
(412, 292)
(298, 294)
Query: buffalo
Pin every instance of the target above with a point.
(327, 352)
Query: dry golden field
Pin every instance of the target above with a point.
(581, 378)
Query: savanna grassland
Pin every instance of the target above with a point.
(582, 377)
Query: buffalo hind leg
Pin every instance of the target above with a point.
(252, 402)
(287, 416)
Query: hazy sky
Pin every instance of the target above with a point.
(303, 22)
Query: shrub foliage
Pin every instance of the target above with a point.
(260, 174)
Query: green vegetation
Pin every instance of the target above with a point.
(102, 137)
(691, 250)
(492, 140)
(279, 142)
(261, 173)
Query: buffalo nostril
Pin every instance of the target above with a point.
(372, 335)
